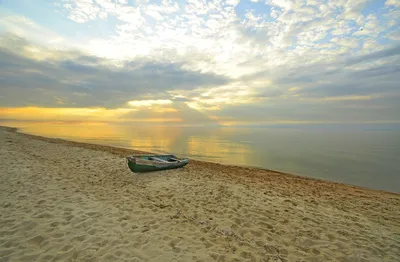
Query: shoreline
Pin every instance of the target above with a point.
(123, 152)
(70, 201)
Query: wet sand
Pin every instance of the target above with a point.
(70, 201)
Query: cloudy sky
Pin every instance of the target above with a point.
(201, 61)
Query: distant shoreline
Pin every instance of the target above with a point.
(123, 152)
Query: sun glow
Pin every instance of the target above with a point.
(86, 114)
(148, 103)
(66, 114)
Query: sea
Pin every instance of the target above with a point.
(363, 155)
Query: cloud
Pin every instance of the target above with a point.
(372, 74)
(77, 68)
(82, 11)
(287, 59)
(27, 81)
(392, 51)
(392, 3)
(365, 84)
(177, 112)
(26, 28)
(218, 37)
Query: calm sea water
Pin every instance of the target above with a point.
(358, 156)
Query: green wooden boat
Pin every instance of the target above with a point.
(148, 163)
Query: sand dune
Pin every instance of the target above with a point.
(68, 201)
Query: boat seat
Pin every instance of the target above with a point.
(158, 159)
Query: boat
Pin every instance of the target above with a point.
(149, 163)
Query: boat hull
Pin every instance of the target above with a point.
(143, 164)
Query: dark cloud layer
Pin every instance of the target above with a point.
(83, 80)
(358, 76)
(362, 88)
(393, 51)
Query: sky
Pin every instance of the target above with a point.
(223, 62)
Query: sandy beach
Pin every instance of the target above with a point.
(69, 201)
